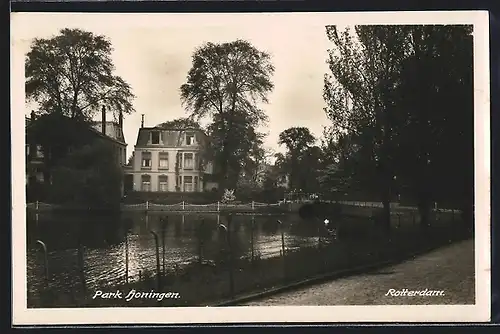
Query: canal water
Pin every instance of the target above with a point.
(108, 244)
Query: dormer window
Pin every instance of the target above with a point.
(155, 137)
(190, 139)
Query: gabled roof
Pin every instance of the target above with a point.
(120, 138)
(30, 124)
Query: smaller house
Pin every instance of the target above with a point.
(44, 143)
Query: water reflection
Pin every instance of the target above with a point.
(109, 241)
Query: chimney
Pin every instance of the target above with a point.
(120, 120)
(142, 120)
(103, 129)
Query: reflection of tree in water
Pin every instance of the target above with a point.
(239, 243)
(269, 226)
(177, 226)
(102, 231)
(305, 228)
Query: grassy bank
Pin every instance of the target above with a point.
(200, 284)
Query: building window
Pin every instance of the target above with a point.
(188, 161)
(146, 182)
(155, 137)
(39, 175)
(190, 140)
(163, 183)
(163, 162)
(146, 160)
(39, 151)
(196, 188)
(188, 183)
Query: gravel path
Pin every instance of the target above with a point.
(449, 269)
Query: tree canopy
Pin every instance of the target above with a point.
(227, 83)
(298, 141)
(180, 123)
(88, 176)
(72, 74)
(398, 96)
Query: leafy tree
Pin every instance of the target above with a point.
(226, 82)
(180, 123)
(297, 141)
(72, 74)
(435, 130)
(364, 71)
(88, 177)
(311, 166)
(400, 100)
(130, 160)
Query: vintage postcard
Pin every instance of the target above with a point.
(237, 168)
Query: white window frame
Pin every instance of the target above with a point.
(143, 160)
(184, 161)
(162, 183)
(161, 157)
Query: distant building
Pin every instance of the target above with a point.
(39, 154)
(284, 181)
(170, 160)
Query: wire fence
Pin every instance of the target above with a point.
(218, 260)
(222, 206)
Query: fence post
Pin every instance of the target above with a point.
(218, 208)
(228, 241)
(147, 205)
(37, 205)
(164, 222)
(253, 205)
(201, 230)
(81, 266)
(158, 276)
(319, 237)
(283, 246)
(126, 258)
(183, 206)
(282, 236)
(252, 236)
(45, 260)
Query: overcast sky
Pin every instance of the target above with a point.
(153, 54)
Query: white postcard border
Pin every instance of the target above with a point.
(466, 313)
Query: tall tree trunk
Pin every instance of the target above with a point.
(424, 208)
(386, 206)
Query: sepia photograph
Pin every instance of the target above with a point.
(214, 165)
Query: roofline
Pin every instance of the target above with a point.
(107, 137)
(31, 122)
(170, 129)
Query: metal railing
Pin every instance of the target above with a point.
(214, 267)
(220, 206)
